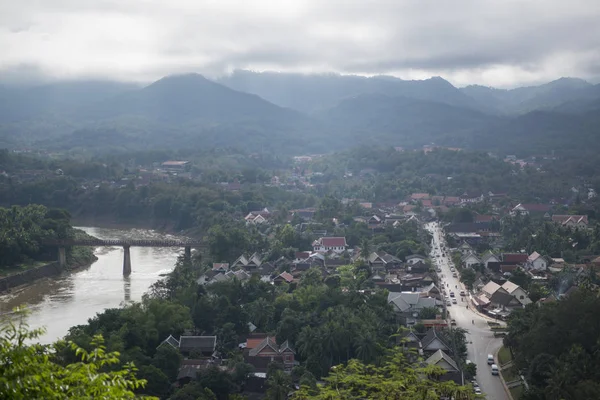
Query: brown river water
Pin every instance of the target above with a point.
(72, 298)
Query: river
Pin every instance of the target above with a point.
(72, 298)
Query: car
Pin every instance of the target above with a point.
(452, 269)
(474, 383)
(448, 303)
(451, 294)
(477, 390)
(495, 370)
(462, 293)
(454, 301)
(454, 275)
(452, 321)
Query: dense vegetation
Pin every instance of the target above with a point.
(191, 111)
(23, 231)
(34, 371)
(556, 345)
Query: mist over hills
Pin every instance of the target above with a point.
(293, 113)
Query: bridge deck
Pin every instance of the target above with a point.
(127, 242)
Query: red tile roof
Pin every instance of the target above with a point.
(515, 257)
(287, 276)
(419, 196)
(426, 203)
(333, 241)
(484, 218)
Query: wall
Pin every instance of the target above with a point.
(29, 276)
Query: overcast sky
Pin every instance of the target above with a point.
(500, 43)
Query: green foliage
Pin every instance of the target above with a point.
(428, 313)
(395, 377)
(468, 276)
(34, 371)
(23, 229)
(556, 346)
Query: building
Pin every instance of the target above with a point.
(176, 166)
(415, 258)
(536, 262)
(571, 221)
(531, 209)
(197, 346)
(335, 244)
(517, 292)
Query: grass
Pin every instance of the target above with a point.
(7, 271)
(504, 355)
(516, 392)
(510, 374)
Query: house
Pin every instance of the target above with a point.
(407, 305)
(415, 258)
(258, 217)
(268, 348)
(248, 263)
(484, 218)
(471, 198)
(465, 248)
(176, 166)
(515, 258)
(419, 196)
(571, 221)
(517, 292)
(382, 261)
(307, 214)
(442, 360)
(488, 258)
(504, 301)
(470, 260)
(410, 340)
(220, 267)
(490, 288)
(199, 346)
(336, 244)
(283, 277)
(450, 201)
(432, 342)
(536, 262)
(531, 209)
(169, 341)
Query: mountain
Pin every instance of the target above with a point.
(401, 121)
(61, 98)
(525, 99)
(316, 92)
(182, 98)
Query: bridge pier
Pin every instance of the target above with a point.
(126, 261)
(62, 257)
(187, 253)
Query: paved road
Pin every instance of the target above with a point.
(481, 341)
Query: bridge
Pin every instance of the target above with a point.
(126, 244)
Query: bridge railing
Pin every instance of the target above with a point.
(126, 242)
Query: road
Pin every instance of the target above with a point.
(481, 341)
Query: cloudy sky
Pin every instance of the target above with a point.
(500, 43)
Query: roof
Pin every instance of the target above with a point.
(533, 256)
(484, 218)
(419, 196)
(224, 266)
(203, 343)
(490, 287)
(503, 299)
(171, 341)
(286, 276)
(332, 241)
(510, 287)
(438, 356)
(266, 342)
(430, 337)
(534, 207)
(564, 219)
(416, 256)
(175, 163)
(515, 257)
(464, 258)
(467, 227)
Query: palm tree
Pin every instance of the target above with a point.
(280, 385)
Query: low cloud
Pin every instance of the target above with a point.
(496, 42)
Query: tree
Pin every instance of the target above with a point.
(34, 371)
(470, 370)
(279, 385)
(428, 313)
(520, 278)
(468, 276)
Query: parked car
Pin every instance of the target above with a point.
(490, 359)
(462, 293)
(495, 370)
(454, 301)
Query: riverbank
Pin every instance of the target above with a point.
(29, 276)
